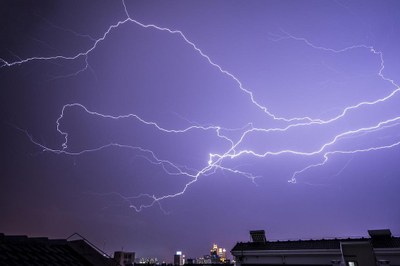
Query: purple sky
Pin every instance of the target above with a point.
(158, 126)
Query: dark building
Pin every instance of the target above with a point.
(381, 248)
(124, 258)
(41, 251)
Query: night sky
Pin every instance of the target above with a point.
(156, 126)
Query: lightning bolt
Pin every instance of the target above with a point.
(218, 161)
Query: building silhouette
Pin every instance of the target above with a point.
(124, 258)
(41, 251)
(381, 248)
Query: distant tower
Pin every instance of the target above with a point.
(222, 254)
(179, 258)
(217, 254)
(214, 254)
(214, 250)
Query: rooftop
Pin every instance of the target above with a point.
(23, 250)
(378, 239)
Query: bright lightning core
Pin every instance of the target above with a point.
(178, 109)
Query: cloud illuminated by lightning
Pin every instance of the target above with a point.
(216, 161)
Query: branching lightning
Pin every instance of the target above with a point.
(216, 161)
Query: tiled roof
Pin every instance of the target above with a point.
(22, 250)
(392, 242)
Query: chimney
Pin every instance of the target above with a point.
(258, 236)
